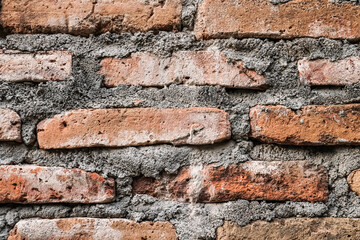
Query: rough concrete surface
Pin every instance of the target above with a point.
(84, 89)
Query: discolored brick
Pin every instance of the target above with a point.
(91, 229)
(84, 17)
(292, 228)
(30, 184)
(254, 180)
(18, 66)
(323, 72)
(10, 125)
(184, 67)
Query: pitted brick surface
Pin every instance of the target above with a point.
(254, 180)
(10, 126)
(16, 66)
(91, 229)
(84, 17)
(323, 72)
(134, 127)
(312, 125)
(34, 184)
(185, 67)
(261, 18)
(293, 228)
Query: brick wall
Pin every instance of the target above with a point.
(179, 119)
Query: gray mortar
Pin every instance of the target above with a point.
(276, 59)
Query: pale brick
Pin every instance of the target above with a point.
(30, 184)
(91, 229)
(323, 72)
(184, 67)
(292, 228)
(18, 66)
(10, 125)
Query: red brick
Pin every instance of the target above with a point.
(84, 17)
(261, 18)
(33, 184)
(312, 125)
(91, 229)
(184, 67)
(133, 127)
(324, 72)
(254, 180)
(292, 228)
(18, 66)
(10, 126)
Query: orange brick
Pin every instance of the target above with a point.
(184, 67)
(84, 17)
(292, 228)
(133, 127)
(312, 125)
(261, 18)
(91, 229)
(33, 184)
(354, 181)
(254, 180)
(323, 72)
(36, 67)
(10, 126)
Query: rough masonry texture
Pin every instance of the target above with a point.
(33, 184)
(182, 60)
(10, 126)
(323, 72)
(84, 17)
(311, 125)
(133, 127)
(305, 18)
(293, 228)
(17, 66)
(185, 67)
(274, 181)
(91, 229)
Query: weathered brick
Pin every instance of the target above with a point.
(324, 72)
(187, 67)
(133, 127)
(10, 125)
(33, 184)
(254, 180)
(312, 125)
(91, 229)
(292, 228)
(354, 181)
(84, 17)
(18, 66)
(305, 18)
